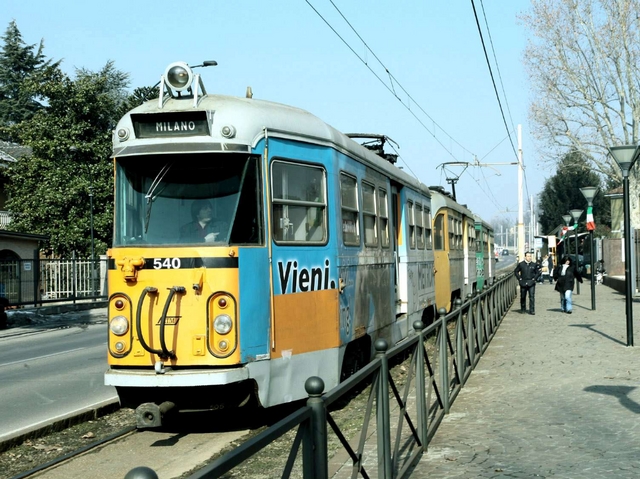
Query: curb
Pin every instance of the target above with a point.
(58, 424)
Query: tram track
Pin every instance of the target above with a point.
(188, 442)
(69, 456)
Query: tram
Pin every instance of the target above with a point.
(254, 246)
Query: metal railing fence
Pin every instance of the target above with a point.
(441, 358)
(38, 281)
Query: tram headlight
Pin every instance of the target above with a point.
(119, 325)
(178, 76)
(222, 324)
(123, 134)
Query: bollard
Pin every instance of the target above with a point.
(315, 463)
(382, 411)
(141, 472)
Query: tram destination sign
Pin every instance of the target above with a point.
(170, 125)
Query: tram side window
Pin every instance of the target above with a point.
(412, 225)
(427, 228)
(438, 232)
(471, 236)
(349, 208)
(384, 218)
(452, 233)
(248, 227)
(369, 214)
(419, 228)
(299, 203)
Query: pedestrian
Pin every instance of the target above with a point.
(565, 275)
(527, 273)
(546, 269)
(539, 263)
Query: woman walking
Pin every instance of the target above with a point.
(565, 275)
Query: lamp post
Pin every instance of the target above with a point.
(625, 156)
(576, 214)
(589, 193)
(567, 221)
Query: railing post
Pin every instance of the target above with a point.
(382, 412)
(103, 275)
(36, 277)
(480, 328)
(73, 276)
(462, 367)
(443, 360)
(421, 393)
(315, 461)
(471, 333)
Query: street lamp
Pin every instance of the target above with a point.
(576, 214)
(625, 157)
(567, 222)
(589, 193)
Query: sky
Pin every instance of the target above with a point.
(412, 70)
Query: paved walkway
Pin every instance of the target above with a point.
(555, 395)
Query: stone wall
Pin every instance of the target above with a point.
(612, 256)
(24, 248)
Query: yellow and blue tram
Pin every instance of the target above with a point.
(254, 246)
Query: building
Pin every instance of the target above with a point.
(13, 245)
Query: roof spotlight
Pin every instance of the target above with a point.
(178, 76)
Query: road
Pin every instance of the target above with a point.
(505, 264)
(50, 374)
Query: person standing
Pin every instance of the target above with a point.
(547, 269)
(565, 275)
(527, 273)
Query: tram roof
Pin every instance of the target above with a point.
(443, 200)
(252, 120)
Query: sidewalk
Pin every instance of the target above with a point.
(555, 395)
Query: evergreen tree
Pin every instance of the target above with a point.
(71, 143)
(18, 63)
(561, 193)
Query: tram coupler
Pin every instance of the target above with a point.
(150, 414)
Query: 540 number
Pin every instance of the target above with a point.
(166, 263)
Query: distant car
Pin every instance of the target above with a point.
(505, 252)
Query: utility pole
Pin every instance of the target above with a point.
(520, 203)
(532, 228)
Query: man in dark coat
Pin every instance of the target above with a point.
(528, 273)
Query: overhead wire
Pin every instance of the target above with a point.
(494, 82)
(392, 79)
(393, 83)
(495, 59)
(495, 88)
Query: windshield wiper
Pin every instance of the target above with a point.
(150, 194)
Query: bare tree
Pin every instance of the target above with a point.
(584, 63)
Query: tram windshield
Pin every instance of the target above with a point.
(188, 199)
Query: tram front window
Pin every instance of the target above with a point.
(188, 199)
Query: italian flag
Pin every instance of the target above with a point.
(565, 231)
(591, 224)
